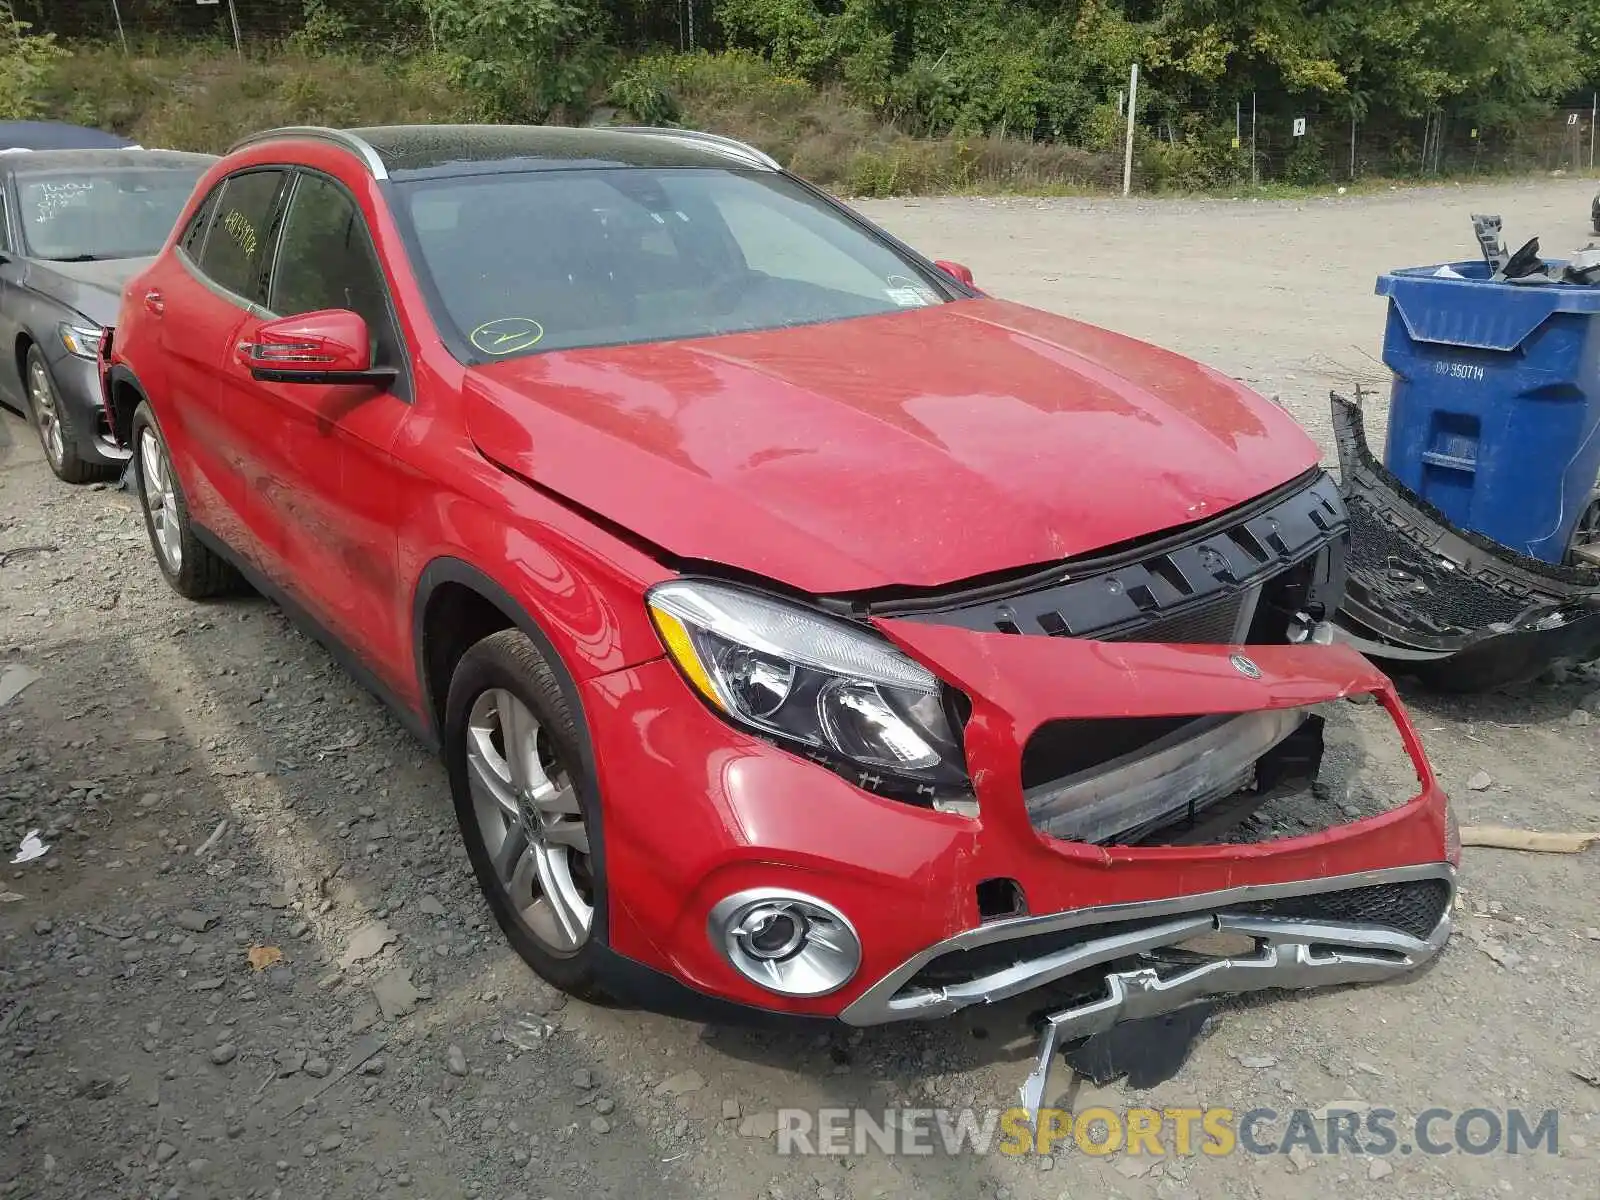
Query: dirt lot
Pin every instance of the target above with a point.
(208, 782)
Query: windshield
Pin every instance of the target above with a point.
(547, 260)
(114, 212)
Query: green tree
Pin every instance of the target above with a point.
(519, 60)
(25, 61)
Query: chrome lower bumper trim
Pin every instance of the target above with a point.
(1288, 954)
(886, 1001)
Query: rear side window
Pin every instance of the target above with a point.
(194, 233)
(236, 250)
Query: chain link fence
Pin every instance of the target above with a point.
(1249, 144)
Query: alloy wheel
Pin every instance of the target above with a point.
(160, 499)
(530, 821)
(42, 396)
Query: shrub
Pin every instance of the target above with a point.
(25, 63)
(1307, 160)
(647, 90)
(325, 29)
(518, 60)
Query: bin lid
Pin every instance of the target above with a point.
(1473, 310)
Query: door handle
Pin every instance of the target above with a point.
(154, 302)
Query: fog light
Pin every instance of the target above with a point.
(786, 942)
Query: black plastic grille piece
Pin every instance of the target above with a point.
(1414, 907)
(1179, 589)
(1432, 583)
(1211, 624)
(1402, 579)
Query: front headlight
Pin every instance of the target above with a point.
(81, 340)
(836, 692)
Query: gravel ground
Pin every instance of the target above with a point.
(253, 961)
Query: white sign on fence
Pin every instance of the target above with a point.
(1572, 118)
(1299, 127)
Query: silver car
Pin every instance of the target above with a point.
(75, 225)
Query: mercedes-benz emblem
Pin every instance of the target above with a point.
(1245, 667)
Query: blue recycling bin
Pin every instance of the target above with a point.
(1494, 414)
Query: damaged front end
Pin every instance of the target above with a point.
(1183, 791)
(1448, 606)
(1310, 847)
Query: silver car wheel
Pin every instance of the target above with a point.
(530, 821)
(42, 396)
(160, 499)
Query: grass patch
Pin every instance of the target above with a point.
(824, 137)
(202, 97)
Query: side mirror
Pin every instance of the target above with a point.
(955, 270)
(331, 347)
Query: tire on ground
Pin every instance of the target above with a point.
(73, 468)
(509, 660)
(201, 573)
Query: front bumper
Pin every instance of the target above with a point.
(78, 387)
(1426, 598)
(1285, 952)
(696, 811)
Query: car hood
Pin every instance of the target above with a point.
(92, 288)
(914, 449)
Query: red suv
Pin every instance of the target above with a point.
(804, 631)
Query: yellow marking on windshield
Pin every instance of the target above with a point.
(507, 335)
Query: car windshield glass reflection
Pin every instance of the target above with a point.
(81, 216)
(546, 260)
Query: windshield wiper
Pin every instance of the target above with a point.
(77, 258)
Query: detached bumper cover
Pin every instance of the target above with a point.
(1460, 611)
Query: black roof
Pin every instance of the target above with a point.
(414, 151)
(37, 161)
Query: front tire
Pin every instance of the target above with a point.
(193, 569)
(526, 804)
(56, 424)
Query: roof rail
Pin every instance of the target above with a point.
(713, 140)
(338, 137)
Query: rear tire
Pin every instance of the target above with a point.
(194, 570)
(526, 804)
(56, 424)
